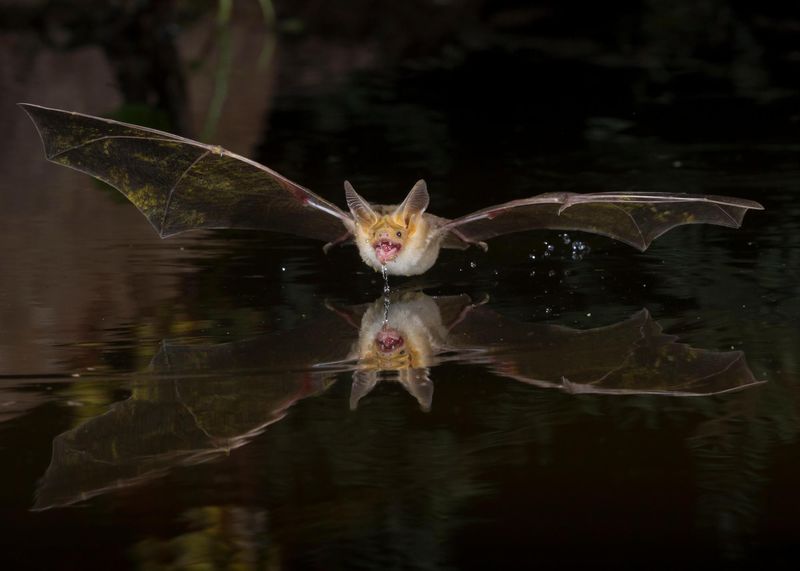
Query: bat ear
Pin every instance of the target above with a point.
(360, 208)
(418, 383)
(363, 383)
(415, 203)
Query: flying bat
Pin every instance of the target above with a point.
(180, 185)
(202, 401)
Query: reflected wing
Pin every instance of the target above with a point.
(636, 218)
(630, 357)
(180, 184)
(201, 402)
(322, 340)
(167, 422)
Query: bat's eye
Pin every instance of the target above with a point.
(399, 234)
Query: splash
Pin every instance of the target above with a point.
(579, 250)
(576, 249)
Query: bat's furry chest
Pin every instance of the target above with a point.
(419, 252)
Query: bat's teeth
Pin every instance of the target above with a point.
(386, 250)
(388, 341)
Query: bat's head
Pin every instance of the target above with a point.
(389, 348)
(388, 231)
(393, 350)
(400, 336)
(398, 356)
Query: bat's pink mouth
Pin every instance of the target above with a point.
(389, 341)
(386, 250)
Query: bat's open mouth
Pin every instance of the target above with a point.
(386, 250)
(388, 341)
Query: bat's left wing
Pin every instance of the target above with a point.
(180, 184)
(632, 357)
(636, 218)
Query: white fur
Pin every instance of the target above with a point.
(417, 255)
(416, 317)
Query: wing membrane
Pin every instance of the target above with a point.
(636, 218)
(180, 184)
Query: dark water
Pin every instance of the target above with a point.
(192, 402)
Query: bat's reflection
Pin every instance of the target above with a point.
(203, 401)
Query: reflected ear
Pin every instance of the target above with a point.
(415, 203)
(363, 383)
(359, 207)
(418, 383)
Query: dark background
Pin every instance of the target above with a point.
(488, 101)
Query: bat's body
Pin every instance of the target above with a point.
(413, 251)
(180, 185)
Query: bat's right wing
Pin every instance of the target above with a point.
(636, 218)
(180, 184)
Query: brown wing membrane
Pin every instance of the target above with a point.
(632, 357)
(636, 218)
(180, 184)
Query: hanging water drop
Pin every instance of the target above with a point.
(386, 292)
(385, 274)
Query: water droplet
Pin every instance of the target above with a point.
(531, 256)
(283, 269)
(533, 273)
(589, 314)
(473, 265)
(565, 238)
(550, 247)
(551, 273)
(385, 274)
(548, 310)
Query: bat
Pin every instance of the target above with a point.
(181, 185)
(631, 357)
(201, 401)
